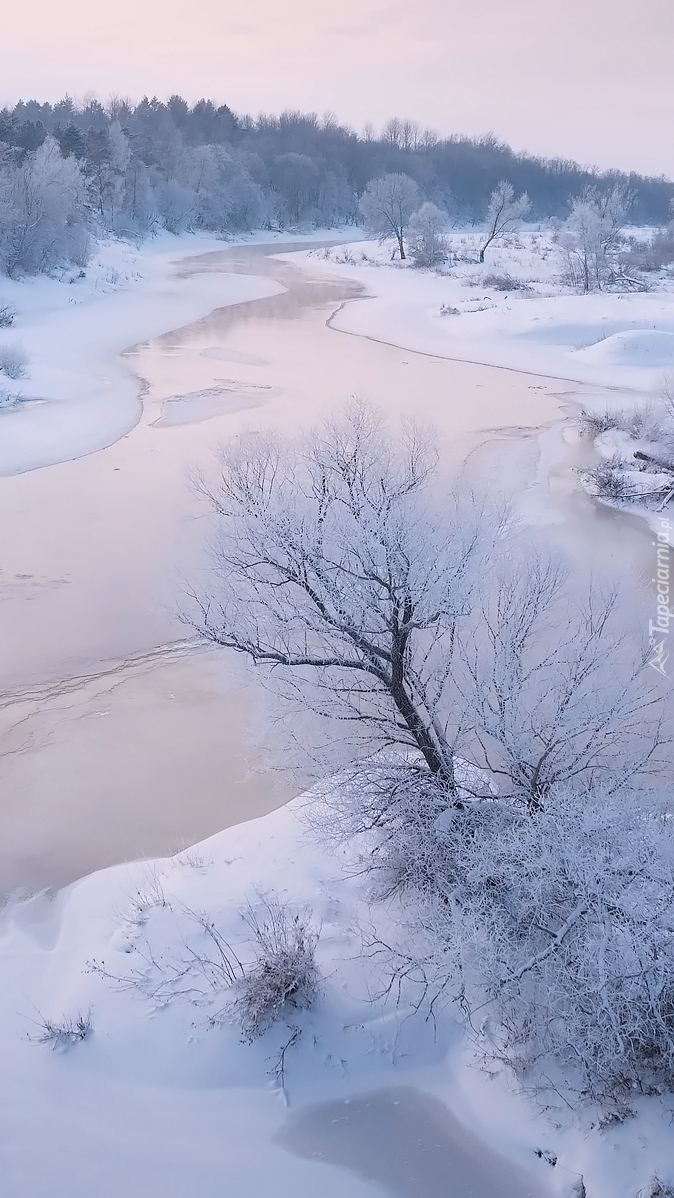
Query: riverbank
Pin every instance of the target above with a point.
(120, 739)
(77, 394)
(513, 312)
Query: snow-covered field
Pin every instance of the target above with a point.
(619, 340)
(153, 1100)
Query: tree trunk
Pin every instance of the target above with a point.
(401, 246)
(432, 756)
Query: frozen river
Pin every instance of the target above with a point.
(119, 738)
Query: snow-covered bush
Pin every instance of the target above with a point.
(637, 445)
(284, 975)
(63, 1033)
(656, 1189)
(180, 954)
(567, 920)
(502, 282)
(646, 422)
(609, 481)
(7, 315)
(13, 361)
(557, 929)
(653, 253)
(175, 204)
(427, 243)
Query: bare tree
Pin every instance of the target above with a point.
(504, 214)
(338, 569)
(387, 205)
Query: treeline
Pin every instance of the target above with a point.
(132, 168)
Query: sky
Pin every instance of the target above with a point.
(590, 80)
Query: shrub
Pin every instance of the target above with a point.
(504, 282)
(7, 315)
(64, 1034)
(557, 926)
(13, 361)
(8, 398)
(560, 926)
(648, 422)
(609, 481)
(284, 974)
(656, 1189)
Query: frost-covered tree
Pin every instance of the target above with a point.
(592, 238)
(42, 211)
(296, 179)
(386, 206)
(139, 214)
(175, 204)
(555, 684)
(427, 243)
(338, 570)
(505, 214)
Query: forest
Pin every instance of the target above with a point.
(70, 173)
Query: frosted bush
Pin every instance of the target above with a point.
(8, 397)
(503, 282)
(13, 361)
(284, 974)
(428, 245)
(64, 1033)
(7, 315)
(559, 928)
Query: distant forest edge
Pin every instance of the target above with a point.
(130, 169)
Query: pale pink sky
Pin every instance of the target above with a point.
(585, 79)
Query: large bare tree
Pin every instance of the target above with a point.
(340, 570)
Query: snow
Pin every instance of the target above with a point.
(618, 340)
(155, 1101)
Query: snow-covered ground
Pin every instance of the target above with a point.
(154, 1101)
(76, 394)
(618, 340)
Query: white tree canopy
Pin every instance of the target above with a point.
(387, 205)
(504, 214)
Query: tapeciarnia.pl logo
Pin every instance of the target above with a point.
(658, 629)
